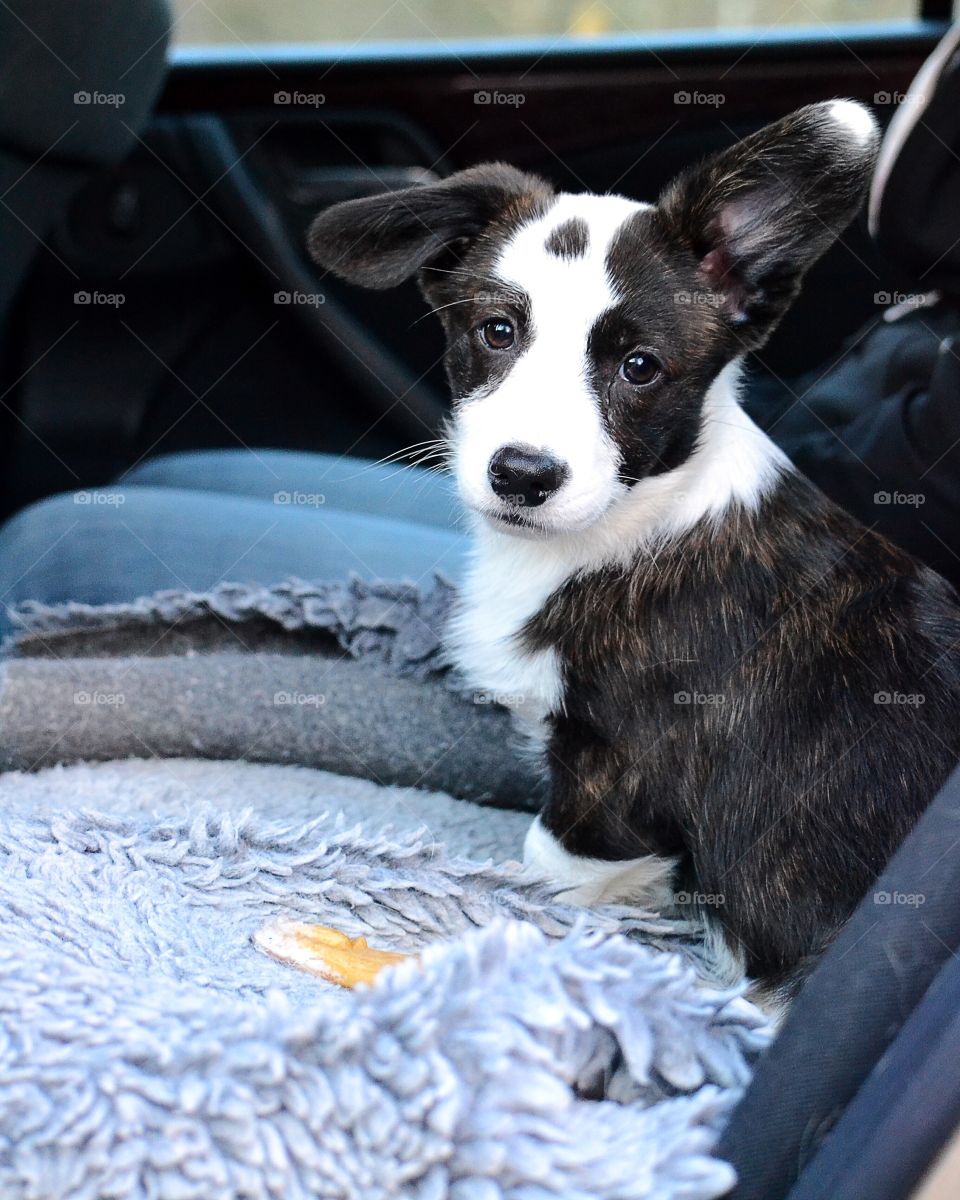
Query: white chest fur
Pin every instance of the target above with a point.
(508, 580)
(510, 576)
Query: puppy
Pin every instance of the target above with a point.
(743, 697)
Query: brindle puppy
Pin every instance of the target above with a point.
(741, 694)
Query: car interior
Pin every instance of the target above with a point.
(158, 298)
(204, 215)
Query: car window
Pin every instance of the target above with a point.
(358, 22)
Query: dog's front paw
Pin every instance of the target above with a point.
(646, 882)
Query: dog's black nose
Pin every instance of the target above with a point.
(524, 477)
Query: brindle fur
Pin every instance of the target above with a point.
(721, 705)
(569, 240)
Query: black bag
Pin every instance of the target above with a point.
(878, 429)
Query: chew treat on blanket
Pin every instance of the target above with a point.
(322, 951)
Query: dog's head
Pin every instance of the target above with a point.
(584, 331)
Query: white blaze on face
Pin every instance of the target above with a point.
(546, 401)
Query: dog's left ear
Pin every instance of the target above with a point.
(379, 241)
(758, 215)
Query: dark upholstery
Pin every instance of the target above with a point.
(53, 55)
(915, 199)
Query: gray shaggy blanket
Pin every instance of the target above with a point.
(148, 1050)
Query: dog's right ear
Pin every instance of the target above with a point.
(379, 241)
(759, 214)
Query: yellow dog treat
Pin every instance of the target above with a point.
(322, 951)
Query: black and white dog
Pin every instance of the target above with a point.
(740, 692)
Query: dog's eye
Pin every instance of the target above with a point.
(498, 333)
(639, 369)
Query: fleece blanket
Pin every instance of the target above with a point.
(149, 1050)
(349, 677)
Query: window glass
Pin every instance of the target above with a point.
(355, 22)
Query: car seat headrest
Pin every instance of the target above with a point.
(77, 78)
